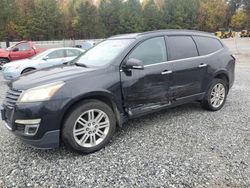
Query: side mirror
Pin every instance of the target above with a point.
(133, 64)
(15, 50)
(45, 58)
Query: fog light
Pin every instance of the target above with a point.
(30, 126)
(31, 130)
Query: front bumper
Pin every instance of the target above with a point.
(10, 75)
(47, 134)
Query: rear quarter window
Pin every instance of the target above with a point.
(207, 45)
(181, 47)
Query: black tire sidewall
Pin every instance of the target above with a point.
(207, 100)
(3, 61)
(67, 130)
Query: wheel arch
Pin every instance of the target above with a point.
(33, 68)
(224, 76)
(7, 58)
(104, 97)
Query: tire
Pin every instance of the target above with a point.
(3, 61)
(213, 100)
(78, 130)
(27, 70)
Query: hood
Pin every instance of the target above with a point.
(49, 75)
(21, 62)
(4, 53)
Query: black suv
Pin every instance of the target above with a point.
(123, 77)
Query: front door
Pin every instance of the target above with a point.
(55, 58)
(148, 89)
(21, 51)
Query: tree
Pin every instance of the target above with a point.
(8, 19)
(152, 16)
(87, 24)
(110, 11)
(46, 23)
(239, 20)
(247, 9)
(212, 14)
(131, 17)
(181, 13)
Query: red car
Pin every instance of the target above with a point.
(21, 50)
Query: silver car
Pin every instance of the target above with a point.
(48, 58)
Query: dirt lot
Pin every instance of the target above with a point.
(180, 147)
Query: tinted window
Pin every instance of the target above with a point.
(56, 54)
(207, 45)
(72, 53)
(151, 51)
(181, 47)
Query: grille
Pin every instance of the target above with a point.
(12, 97)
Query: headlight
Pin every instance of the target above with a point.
(12, 67)
(16, 66)
(41, 93)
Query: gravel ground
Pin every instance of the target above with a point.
(180, 147)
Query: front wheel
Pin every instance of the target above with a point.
(216, 95)
(89, 126)
(3, 61)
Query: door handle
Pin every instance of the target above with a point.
(202, 65)
(166, 72)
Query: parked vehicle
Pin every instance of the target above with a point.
(48, 58)
(121, 78)
(86, 45)
(225, 34)
(245, 33)
(21, 50)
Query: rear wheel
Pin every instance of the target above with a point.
(3, 61)
(89, 126)
(216, 95)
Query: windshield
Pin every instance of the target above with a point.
(103, 53)
(39, 56)
(9, 48)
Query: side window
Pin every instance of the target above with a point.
(207, 45)
(72, 53)
(151, 51)
(56, 54)
(181, 47)
(22, 47)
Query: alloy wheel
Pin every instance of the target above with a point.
(91, 128)
(217, 96)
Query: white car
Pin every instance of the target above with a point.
(48, 58)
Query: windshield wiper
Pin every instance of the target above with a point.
(81, 65)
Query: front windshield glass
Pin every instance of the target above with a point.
(103, 53)
(41, 55)
(9, 48)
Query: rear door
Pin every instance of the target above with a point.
(147, 89)
(71, 54)
(56, 57)
(189, 70)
